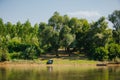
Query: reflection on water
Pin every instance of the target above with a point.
(49, 68)
(59, 73)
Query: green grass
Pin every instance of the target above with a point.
(62, 60)
(67, 61)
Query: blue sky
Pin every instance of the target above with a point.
(41, 10)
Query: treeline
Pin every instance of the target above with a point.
(96, 40)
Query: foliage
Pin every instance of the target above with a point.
(96, 39)
(100, 53)
(114, 51)
(15, 55)
(4, 55)
(115, 19)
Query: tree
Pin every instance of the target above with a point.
(114, 51)
(2, 27)
(4, 55)
(26, 30)
(45, 36)
(19, 29)
(56, 21)
(9, 28)
(98, 36)
(66, 42)
(40, 37)
(75, 25)
(66, 38)
(115, 19)
(55, 42)
(66, 20)
(22, 40)
(81, 33)
(35, 29)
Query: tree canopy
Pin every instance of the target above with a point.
(96, 40)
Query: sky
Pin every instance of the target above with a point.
(37, 11)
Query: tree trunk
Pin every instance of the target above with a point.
(57, 55)
(65, 50)
(68, 51)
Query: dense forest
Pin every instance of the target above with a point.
(96, 40)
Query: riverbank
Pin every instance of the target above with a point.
(57, 62)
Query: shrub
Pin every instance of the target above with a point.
(100, 53)
(15, 55)
(30, 53)
(4, 55)
(114, 51)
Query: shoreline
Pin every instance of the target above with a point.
(57, 62)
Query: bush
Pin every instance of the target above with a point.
(114, 51)
(30, 53)
(100, 53)
(4, 55)
(15, 55)
(17, 47)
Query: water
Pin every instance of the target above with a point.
(59, 73)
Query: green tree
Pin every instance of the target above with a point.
(98, 36)
(55, 42)
(75, 25)
(66, 42)
(66, 20)
(4, 55)
(2, 28)
(9, 28)
(115, 19)
(81, 33)
(56, 21)
(114, 51)
(40, 36)
(45, 36)
(66, 38)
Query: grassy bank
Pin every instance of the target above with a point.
(63, 60)
(57, 61)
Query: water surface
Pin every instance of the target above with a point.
(59, 73)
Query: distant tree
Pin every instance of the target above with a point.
(81, 33)
(55, 42)
(115, 19)
(96, 39)
(35, 29)
(114, 51)
(66, 38)
(44, 36)
(2, 28)
(19, 30)
(75, 25)
(9, 28)
(42, 26)
(66, 42)
(56, 21)
(66, 20)
(4, 55)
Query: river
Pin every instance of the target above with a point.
(59, 73)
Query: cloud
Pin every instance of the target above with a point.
(89, 15)
(84, 14)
